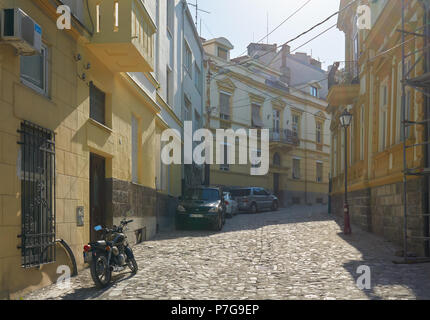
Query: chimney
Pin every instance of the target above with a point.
(285, 71)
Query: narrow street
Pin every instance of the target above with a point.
(290, 254)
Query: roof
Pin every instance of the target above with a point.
(221, 40)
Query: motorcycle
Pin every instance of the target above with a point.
(111, 254)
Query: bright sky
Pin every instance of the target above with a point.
(245, 21)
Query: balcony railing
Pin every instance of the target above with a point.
(123, 36)
(285, 136)
(343, 73)
(344, 84)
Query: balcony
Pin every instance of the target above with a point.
(123, 35)
(344, 84)
(284, 138)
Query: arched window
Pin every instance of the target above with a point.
(276, 159)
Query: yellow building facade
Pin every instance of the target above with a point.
(80, 139)
(369, 86)
(241, 97)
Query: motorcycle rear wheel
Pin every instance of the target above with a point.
(100, 272)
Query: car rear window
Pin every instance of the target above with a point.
(240, 192)
(202, 194)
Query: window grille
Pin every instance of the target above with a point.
(37, 174)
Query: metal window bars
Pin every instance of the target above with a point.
(420, 84)
(37, 174)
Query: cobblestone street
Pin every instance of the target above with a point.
(290, 254)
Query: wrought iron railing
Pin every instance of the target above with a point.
(284, 136)
(343, 73)
(37, 173)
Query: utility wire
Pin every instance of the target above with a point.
(282, 23)
(295, 38)
(278, 56)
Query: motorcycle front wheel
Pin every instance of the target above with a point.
(100, 272)
(132, 264)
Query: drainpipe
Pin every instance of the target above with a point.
(426, 199)
(180, 69)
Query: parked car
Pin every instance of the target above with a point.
(230, 205)
(201, 206)
(255, 199)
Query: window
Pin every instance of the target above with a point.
(97, 104)
(277, 160)
(225, 103)
(170, 15)
(276, 122)
(187, 110)
(34, 71)
(197, 120)
(169, 86)
(314, 91)
(256, 154)
(222, 53)
(76, 8)
(197, 78)
(296, 169)
(319, 132)
(37, 164)
(188, 59)
(225, 166)
(134, 148)
(296, 125)
(256, 117)
(383, 117)
(319, 172)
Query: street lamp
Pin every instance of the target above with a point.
(345, 121)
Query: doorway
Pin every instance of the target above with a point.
(97, 194)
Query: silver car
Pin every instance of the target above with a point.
(255, 199)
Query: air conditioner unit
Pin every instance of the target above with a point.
(21, 31)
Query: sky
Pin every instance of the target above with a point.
(245, 21)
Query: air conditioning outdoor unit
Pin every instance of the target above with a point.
(20, 31)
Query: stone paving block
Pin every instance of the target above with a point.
(291, 254)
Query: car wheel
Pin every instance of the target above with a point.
(218, 224)
(275, 206)
(229, 215)
(254, 208)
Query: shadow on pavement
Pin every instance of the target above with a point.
(378, 254)
(295, 214)
(94, 292)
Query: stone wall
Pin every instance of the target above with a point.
(380, 210)
(149, 209)
(291, 197)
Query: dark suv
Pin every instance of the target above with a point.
(202, 205)
(255, 199)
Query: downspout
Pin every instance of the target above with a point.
(426, 189)
(181, 66)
